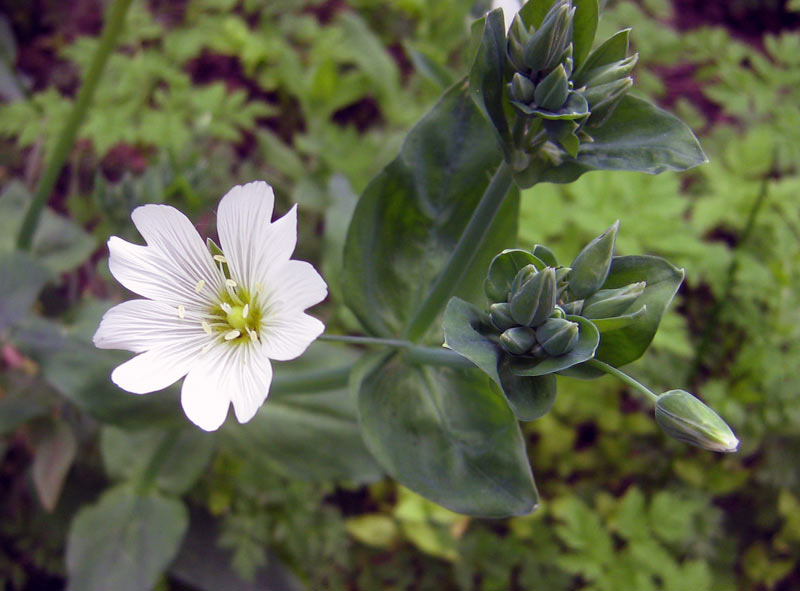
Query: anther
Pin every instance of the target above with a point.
(200, 285)
(230, 283)
(234, 334)
(206, 327)
(245, 310)
(181, 311)
(226, 307)
(220, 258)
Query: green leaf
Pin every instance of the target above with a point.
(21, 280)
(584, 349)
(465, 328)
(502, 270)
(487, 77)
(584, 26)
(534, 11)
(59, 244)
(428, 67)
(127, 455)
(446, 435)
(637, 137)
(412, 214)
(124, 541)
(626, 344)
(530, 397)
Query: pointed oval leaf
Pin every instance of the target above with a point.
(584, 349)
(445, 434)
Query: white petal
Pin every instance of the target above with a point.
(295, 286)
(157, 368)
(238, 373)
(171, 265)
(288, 335)
(252, 244)
(139, 325)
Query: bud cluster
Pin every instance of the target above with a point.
(529, 321)
(555, 97)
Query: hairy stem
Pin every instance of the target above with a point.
(464, 254)
(114, 23)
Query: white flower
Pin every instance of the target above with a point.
(218, 320)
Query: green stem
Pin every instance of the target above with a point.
(160, 456)
(114, 23)
(461, 260)
(359, 340)
(320, 380)
(621, 375)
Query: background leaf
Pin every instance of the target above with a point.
(124, 541)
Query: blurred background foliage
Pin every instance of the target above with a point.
(315, 97)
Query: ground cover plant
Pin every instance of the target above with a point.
(367, 466)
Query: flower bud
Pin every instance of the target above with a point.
(518, 37)
(546, 45)
(605, 94)
(521, 88)
(551, 92)
(590, 268)
(610, 72)
(683, 417)
(557, 336)
(607, 303)
(533, 300)
(523, 276)
(518, 340)
(500, 315)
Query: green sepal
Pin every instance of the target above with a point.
(604, 99)
(575, 107)
(518, 340)
(588, 340)
(530, 397)
(617, 322)
(546, 255)
(611, 72)
(503, 269)
(590, 268)
(500, 316)
(557, 336)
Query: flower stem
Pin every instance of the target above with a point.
(168, 441)
(461, 260)
(114, 23)
(621, 375)
(359, 340)
(320, 380)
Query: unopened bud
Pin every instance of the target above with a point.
(522, 89)
(500, 316)
(558, 336)
(607, 303)
(590, 268)
(551, 39)
(605, 94)
(551, 92)
(518, 340)
(534, 299)
(610, 72)
(683, 417)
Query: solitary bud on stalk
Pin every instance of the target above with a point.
(557, 336)
(683, 417)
